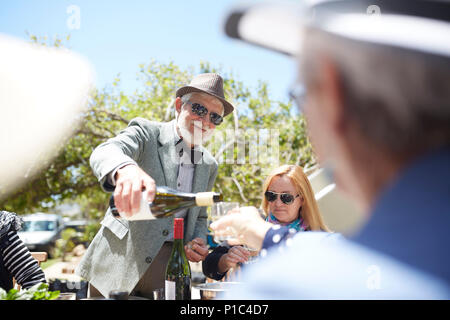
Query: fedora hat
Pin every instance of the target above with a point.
(209, 83)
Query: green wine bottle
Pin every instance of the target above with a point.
(169, 201)
(178, 271)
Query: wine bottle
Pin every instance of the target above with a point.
(178, 271)
(169, 201)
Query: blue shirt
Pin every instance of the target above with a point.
(411, 220)
(402, 253)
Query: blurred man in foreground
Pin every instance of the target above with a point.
(377, 105)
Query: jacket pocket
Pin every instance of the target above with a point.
(115, 226)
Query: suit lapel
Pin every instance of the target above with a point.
(167, 155)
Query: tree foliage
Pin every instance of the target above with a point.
(69, 178)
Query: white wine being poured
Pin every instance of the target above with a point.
(169, 201)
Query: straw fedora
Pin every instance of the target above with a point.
(209, 83)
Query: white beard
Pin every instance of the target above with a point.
(198, 138)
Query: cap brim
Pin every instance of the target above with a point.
(274, 26)
(411, 24)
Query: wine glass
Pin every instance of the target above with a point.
(254, 254)
(158, 294)
(218, 210)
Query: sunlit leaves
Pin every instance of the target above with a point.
(69, 177)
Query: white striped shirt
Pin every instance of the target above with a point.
(20, 263)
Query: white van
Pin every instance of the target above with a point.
(40, 231)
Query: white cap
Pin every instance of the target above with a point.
(417, 25)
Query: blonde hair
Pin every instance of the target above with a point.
(309, 210)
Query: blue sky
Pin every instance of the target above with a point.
(117, 35)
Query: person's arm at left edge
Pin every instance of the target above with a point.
(197, 249)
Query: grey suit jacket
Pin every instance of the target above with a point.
(122, 250)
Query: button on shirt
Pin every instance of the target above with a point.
(185, 174)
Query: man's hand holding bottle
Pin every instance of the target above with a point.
(130, 181)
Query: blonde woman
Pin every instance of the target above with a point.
(288, 200)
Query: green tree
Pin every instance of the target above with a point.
(69, 178)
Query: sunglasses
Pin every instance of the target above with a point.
(286, 198)
(202, 111)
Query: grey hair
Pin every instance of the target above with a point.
(186, 97)
(399, 99)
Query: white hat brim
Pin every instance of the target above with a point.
(279, 26)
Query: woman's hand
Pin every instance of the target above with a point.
(196, 250)
(235, 255)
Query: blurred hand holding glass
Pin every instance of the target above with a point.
(233, 232)
(246, 224)
(218, 210)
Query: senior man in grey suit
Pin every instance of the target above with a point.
(132, 255)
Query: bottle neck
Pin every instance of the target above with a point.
(178, 246)
(178, 229)
(178, 234)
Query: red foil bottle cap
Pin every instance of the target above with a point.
(178, 224)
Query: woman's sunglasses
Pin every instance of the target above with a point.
(286, 198)
(202, 111)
